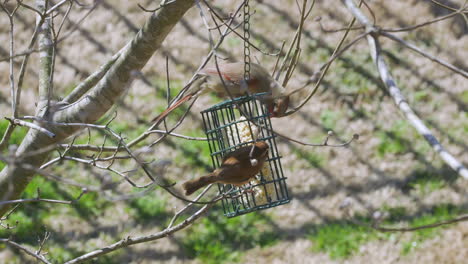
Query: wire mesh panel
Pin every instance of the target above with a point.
(236, 123)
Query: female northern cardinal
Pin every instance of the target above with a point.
(260, 81)
(236, 168)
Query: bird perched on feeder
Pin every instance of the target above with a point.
(237, 168)
(260, 81)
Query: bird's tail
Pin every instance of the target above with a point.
(160, 117)
(195, 87)
(195, 184)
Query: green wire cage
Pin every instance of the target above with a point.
(236, 123)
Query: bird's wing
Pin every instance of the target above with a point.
(232, 72)
(237, 155)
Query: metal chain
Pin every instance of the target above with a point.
(246, 40)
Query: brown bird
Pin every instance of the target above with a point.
(236, 168)
(260, 81)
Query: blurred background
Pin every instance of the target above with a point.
(391, 169)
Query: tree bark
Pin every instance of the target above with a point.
(133, 57)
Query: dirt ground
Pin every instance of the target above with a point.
(368, 174)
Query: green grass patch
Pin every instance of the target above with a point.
(59, 254)
(464, 97)
(393, 141)
(340, 239)
(18, 133)
(31, 218)
(465, 124)
(193, 153)
(427, 181)
(421, 96)
(175, 85)
(437, 214)
(343, 238)
(218, 239)
(353, 82)
(233, 42)
(22, 226)
(314, 158)
(126, 130)
(88, 206)
(150, 208)
(329, 118)
(395, 214)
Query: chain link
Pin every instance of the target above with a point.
(246, 40)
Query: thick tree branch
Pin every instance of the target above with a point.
(45, 59)
(91, 81)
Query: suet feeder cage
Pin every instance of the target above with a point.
(236, 123)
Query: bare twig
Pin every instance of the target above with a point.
(19, 122)
(210, 54)
(443, 5)
(24, 63)
(7, 215)
(457, 12)
(176, 215)
(39, 199)
(319, 20)
(425, 54)
(325, 70)
(376, 224)
(25, 250)
(6, 136)
(77, 24)
(141, 239)
(58, 5)
(295, 58)
(416, 228)
(14, 106)
(12, 45)
(39, 11)
(42, 242)
(34, 200)
(114, 148)
(177, 135)
(233, 30)
(163, 4)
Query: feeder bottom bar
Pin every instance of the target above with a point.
(261, 207)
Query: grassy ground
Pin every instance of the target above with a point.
(391, 169)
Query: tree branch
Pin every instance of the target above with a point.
(425, 54)
(45, 59)
(137, 240)
(97, 102)
(25, 249)
(398, 97)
